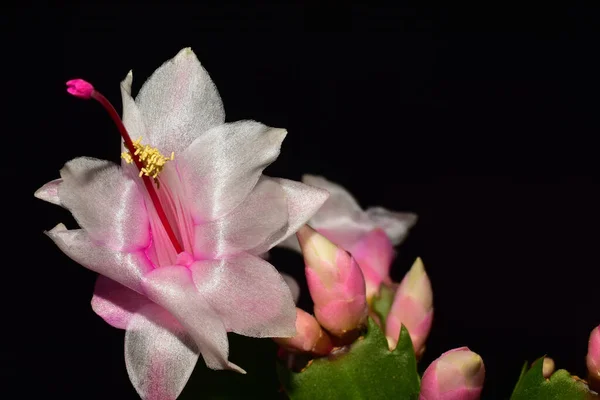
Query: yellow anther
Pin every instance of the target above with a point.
(153, 162)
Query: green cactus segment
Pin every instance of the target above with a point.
(561, 386)
(368, 370)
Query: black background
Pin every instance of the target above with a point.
(481, 120)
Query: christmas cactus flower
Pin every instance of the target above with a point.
(176, 230)
(369, 235)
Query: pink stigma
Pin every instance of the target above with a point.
(80, 88)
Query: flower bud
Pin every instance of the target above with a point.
(335, 282)
(456, 375)
(548, 367)
(593, 359)
(374, 253)
(309, 338)
(412, 307)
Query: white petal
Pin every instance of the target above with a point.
(222, 166)
(159, 355)
(132, 119)
(253, 224)
(303, 201)
(395, 224)
(173, 289)
(115, 303)
(125, 268)
(249, 295)
(340, 219)
(106, 203)
(340, 200)
(49, 192)
(178, 103)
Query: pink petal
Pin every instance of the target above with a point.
(374, 252)
(159, 355)
(172, 288)
(223, 165)
(303, 201)
(106, 203)
(178, 103)
(253, 223)
(125, 268)
(49, 192)
(115, 303)
(249, 295)
(395, 224)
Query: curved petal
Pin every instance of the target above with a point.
(395, 224)
(159, 355)
(172, 288)
(132, 119)
(49, 192)
(106, 203)
(249, 295)
(178, 103)
(303, 201)
(340, 219)
(262, 216)
(115, 303)
(340, 200)
(223, 165)
(125, 268)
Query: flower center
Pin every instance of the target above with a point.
(147, 159)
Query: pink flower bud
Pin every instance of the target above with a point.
(548, 367)
(456, 375)
(309, 338)
(593, 359)
(335, 281)
(412, 307)
(374, 253)
(80, 88)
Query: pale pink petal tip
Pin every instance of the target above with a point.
(80, 88)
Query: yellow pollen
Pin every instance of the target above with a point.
(153, 162)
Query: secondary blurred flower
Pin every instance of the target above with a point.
(593, 359)
(309, 338)
(456, 375)
(335, 282)
(412, 307)
(177, 249)
(368, 235)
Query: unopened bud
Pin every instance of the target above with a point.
(548, 367)
(310, 337)
(335, 282)
(456, 374)
(412, 307)
(593, 359)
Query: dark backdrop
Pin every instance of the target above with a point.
(480, 120)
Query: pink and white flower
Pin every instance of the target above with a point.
(178, 250)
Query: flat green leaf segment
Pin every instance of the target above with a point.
(369, 370)
(561, 386)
